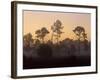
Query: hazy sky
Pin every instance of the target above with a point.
(34, 20)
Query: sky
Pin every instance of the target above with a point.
(34, 20)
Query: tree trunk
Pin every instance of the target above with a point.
(57, 38)
(52, 37)
(42, 40)
(79, 44)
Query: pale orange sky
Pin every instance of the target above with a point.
(34, 20)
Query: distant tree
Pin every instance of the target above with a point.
(38, 33)
(28, 40)
(42, 33)
(84, 36)
(56, 30)
(86, 43)
(37, 42)
(79, 31)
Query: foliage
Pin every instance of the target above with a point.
(56, 30)
(28, 39)
(42, 33)
(80, 32)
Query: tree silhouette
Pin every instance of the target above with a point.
(28, 40)
(84, 36)
(79, 31)
(86, 47)
(42, 33)
(38, 32)
(56, 30)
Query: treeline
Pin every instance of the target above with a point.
(54, 44)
